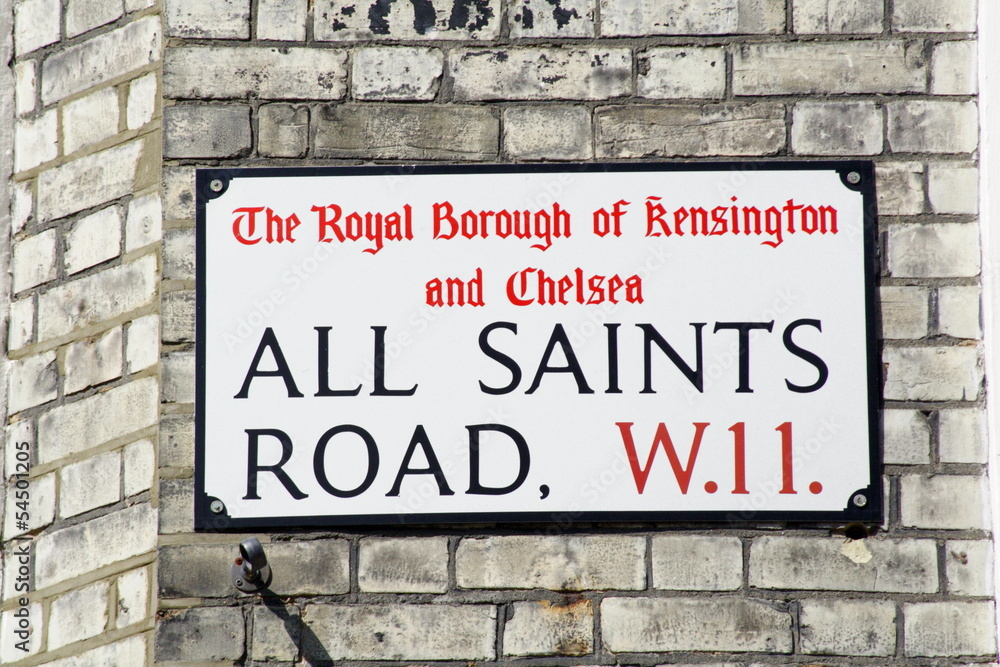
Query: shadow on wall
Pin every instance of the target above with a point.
(313, 651)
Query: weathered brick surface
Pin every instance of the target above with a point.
(954, 69)
(929, 502)
(693, 562)
(968, 566)
(918, 16)
(314, 567)
(905, 312)
(679, 72)
(848, 627)
(195, 130)
(543, 628)
(349, 20)
(953, 189)
(36, 24)
(34, 261)
(200, 570)
(93, 239)
(90, 119)
(678, 131)
(284, 130)
(283, 20)
(36, 141)
(962, 435)
(547, 133)
(900, 188)
(133, 598)
(558, 563)
(401, 631)
(90, 483)
(88, 181)
(129, 651)
(932, 374)
(933, 126)
(78, 615)
(220, 19)
(838, 17)
(408, 565)
(632, 625)
(568, 18)
(93, 361)
(949, 629)
(838, 128)
(960, 312)
(907, 437)
(396, 73)
(84, 15)
(214, 633)
(178, 316)
(936, 250)
(678, 17)
(33, 381)
(276, 632)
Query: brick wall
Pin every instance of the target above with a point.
(324, 82)
(83, 334)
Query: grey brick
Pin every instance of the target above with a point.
(176, 506)
(933, 126)
(837, 128)
(178, 193)
(835, 68)
(680, 17)
(676, 131)
(633, 625)
(694, 562)
(408, 565)
(283, 130)
(848, 627)
(919, 16)
(178, 316)
(276, 632)
(196, 570)
(932, 374)
(176, 441)
(954, 69)
(900, 188)
(596, 562)
(231, 72)
(206, 633)
(837, 17)
(568, 18)
(212, 19)
(101, 58)
(962, 436)
(396, 73)
(404, 132)
(678, 72)
(905, 312)
(94, 360)
(960, 312)
(968, 566)
(937, 629)
(930, 502)
(547, 133)
(907, 437)
(401, 632)
(935, 250)
(310, 567)
(178, 377)
(351, 20)
(33, 381)
(178, 254)
(205, 131)
(84, 15)
(896, 566)
(283, 20)
(142, 343)
(543, 628)
(541, 74)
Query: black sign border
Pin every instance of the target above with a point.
(212, 182)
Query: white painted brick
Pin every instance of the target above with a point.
(178, 377)
(139, 464)
(679, 72)
(86, 423)
(835, 68)
(633, 625)
(67, 553)
(136, 5)
(210, 19)
(93, 360)
(36, 24)
(178, 193)
(543, 628)
(904, 312)
(396, 73)
(541, 74)
(900, 188)
(98, 297)
(84, 15)
(142, 346)
(949, 629)
(932, 374)
(848, 627)
(933, 126)
(101, 58)
(409, 565)
(133, 596)
(272, 638)
(837, 128)
(178, 254)
(266, 72)
(143, 95)
(22, 205)
(826, 17)
(959, 312)
(34, 260)
(36, 141)
(22, 324)
(41, 508)
(33, 381)
(953, 189)
(931, 502)
(90, 119)
(969, 567)
(9, 652)
(567, 18)
(78, 615)
(937, 250)
(88, 181)
(283, 130)
(202, 130)
(177, 508)
(93, 239)
(130, 651)
(348, 20)
(25, 86)
(89, 484)
(680, 17)
(907, 437)
(283, 20)
(143, 222)
(818, 563)
(693, 562)
(954, 69)
(547, 133)
(403, 631)
(962, 436)
(596, 562)
(919, 16)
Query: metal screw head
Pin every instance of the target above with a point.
(854, 178)
(215, 185)
(859, 500)
(217, 507)
(238, 582)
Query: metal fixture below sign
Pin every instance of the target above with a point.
(250, 572)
